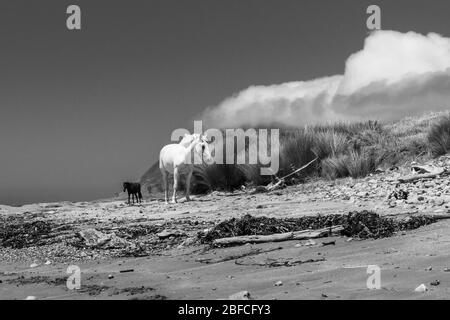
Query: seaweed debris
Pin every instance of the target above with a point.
(358, 224)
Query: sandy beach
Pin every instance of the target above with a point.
(177, 266)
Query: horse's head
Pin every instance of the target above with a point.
(125, 186)
(203, 148)
(188, 139)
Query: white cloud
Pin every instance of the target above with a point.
(396, 74)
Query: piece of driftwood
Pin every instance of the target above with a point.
(421, 176)
(281, 181)
(424, 169)
(296, 235)
(275, 186)
(126, 271)
(440, 216)
(273, 263)
(236, 256)
(300, 169)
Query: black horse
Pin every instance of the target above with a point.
(134, 190)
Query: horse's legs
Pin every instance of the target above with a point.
(129, 202)
(188, 185)
(165, 185)
(133, 195)
(175, 184)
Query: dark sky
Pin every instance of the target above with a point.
(81, 111)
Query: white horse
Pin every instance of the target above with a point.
(176, 159)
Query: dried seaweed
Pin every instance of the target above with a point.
(363, 224)
(17, 233)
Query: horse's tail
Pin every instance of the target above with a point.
(140, 194)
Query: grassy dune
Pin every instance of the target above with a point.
(344, 150)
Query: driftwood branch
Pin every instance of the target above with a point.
(424, 169)
(300, 169)
(280, 182)
(297, 235)
(278, 263)
(237, 256)
(440, 216)
(421, 176)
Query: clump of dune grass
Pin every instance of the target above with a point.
(330, 143)
(335, 167)
(296, 149)
(439, 137)
(356, 164)
(361, 163)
